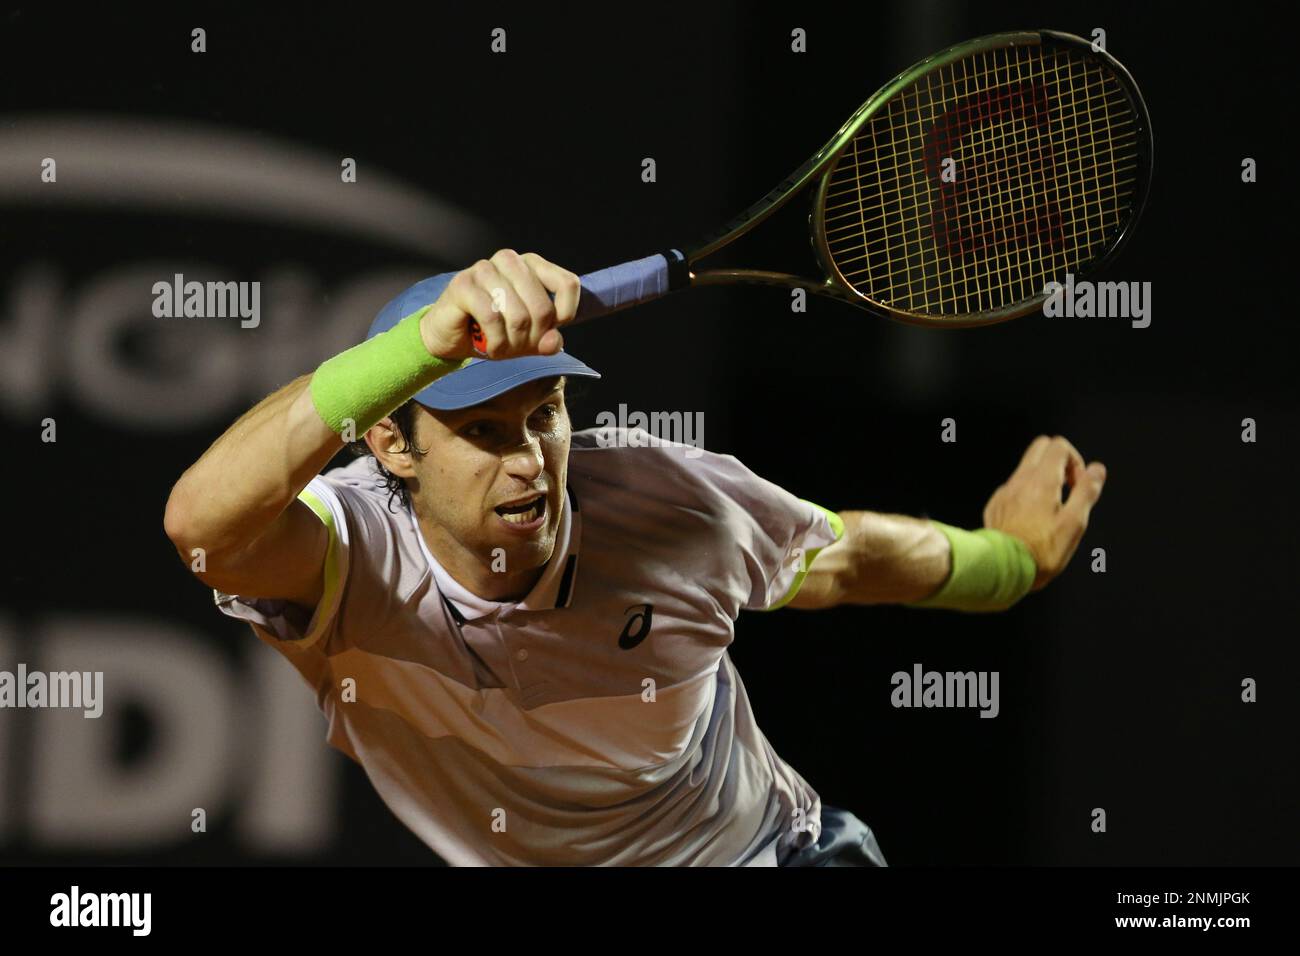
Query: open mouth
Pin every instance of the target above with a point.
(525, 513)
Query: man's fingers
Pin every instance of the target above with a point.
(1058, 457)
(510, 296)
(513, 318)
(510, 292)
(1051, 472)
(1054, 450)
(475, 300)
(565, 285)
(551, 343)
(1086, 485)
(538, 317)
(1034, 452)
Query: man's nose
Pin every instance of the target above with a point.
(525, 460)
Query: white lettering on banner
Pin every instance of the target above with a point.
(251, 743)
(186, 373)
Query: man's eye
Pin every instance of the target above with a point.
(476, 430)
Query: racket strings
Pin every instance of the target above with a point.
(1040, 215)
(981, 221)
(887, 186)
(984, 181)
(858, 221)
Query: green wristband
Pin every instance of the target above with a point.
(368, 381)
(991, 571)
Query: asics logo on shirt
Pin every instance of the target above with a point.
(637, 626)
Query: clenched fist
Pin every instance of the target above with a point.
(509, 296)
(1029, 504)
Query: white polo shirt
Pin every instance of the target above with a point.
(598, 721)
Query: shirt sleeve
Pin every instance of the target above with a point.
(359, 571)
(777, 534)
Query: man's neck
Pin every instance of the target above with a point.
(467, 570)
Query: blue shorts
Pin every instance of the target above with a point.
(844, 841)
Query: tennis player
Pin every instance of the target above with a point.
(520, 632)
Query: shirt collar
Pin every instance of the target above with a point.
(554, 589)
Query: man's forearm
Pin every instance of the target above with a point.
(881, 559)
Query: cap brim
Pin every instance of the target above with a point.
(482, 380)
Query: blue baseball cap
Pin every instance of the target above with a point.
(479, 380)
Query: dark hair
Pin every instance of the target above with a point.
(404, 419)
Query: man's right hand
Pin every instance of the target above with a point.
(508, 296)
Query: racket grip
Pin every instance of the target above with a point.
(620, 286)
(631, 283)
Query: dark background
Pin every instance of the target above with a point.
(1118, 690)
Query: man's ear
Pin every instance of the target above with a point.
(391, 448)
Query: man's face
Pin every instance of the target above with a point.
(494, 478)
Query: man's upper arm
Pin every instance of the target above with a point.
(344, 562)
(775, 534)
(822, 587)
(286, 562)
(806, 564)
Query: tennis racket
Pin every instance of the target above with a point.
(952, 196)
